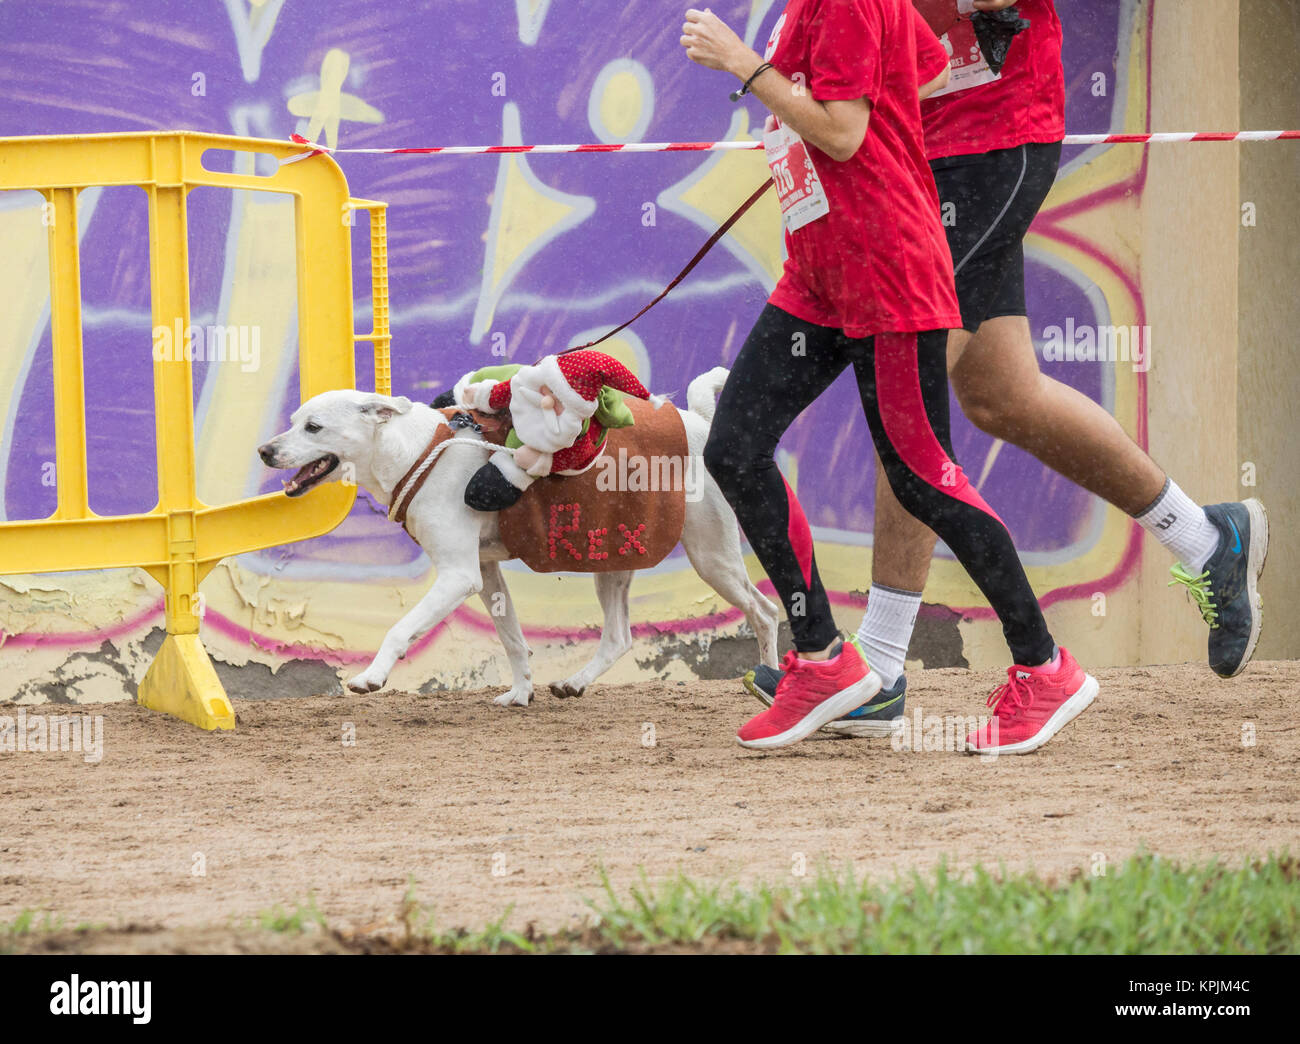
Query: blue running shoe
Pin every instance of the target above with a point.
(1227, 590)
(881, 717)
(761, 683)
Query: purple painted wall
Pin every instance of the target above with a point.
(70, 66)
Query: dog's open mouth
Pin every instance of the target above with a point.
(310, 475)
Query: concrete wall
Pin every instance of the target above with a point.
(1268, 367)
(1189, 277)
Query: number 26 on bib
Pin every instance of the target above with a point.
(797, 186)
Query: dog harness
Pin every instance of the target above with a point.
(493, 428)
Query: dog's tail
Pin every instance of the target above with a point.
(702, 393)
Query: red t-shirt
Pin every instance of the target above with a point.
(878, 261)
(978, 112)
(931, 55)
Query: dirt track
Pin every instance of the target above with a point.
(447, 788)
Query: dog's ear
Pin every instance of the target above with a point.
(384, 408)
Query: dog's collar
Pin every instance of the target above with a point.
(493, 427)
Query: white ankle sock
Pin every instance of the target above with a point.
(886, 630)
(1181, 525)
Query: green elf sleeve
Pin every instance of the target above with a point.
(611, 410)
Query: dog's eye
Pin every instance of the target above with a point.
(311, 427)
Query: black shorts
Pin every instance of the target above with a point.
(989, 201)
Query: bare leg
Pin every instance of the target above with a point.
(901, 547)
(1000, 388)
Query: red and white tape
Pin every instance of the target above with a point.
(1168, 137)
(739, 146)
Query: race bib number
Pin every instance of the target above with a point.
(800, 191)
(969, 69)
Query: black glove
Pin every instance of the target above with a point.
(994, 31)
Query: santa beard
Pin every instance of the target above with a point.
(543, 430)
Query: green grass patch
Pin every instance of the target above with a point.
(28, 923)
(31, 925)
(1147, 905)
(302, 918)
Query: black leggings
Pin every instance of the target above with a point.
(783, 366)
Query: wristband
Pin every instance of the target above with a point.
(744, 88)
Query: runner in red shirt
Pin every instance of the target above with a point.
(868, 284)
(994, 142)
(1023, 103)
(881, 264)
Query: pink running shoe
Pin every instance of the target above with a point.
(811, 693)
(1033, 706)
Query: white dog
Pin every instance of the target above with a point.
(375, 439)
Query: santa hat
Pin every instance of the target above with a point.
(575, 379)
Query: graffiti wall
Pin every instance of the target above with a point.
(492, 259)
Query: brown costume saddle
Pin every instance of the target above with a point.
(625, 511)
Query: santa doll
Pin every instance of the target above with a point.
(559, 408)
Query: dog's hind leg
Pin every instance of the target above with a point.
(716, 556)
(496, 599)
(615, 635)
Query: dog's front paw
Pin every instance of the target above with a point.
(516, 697)
(366, 682)
(563, 690)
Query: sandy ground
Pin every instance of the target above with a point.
(485, 807)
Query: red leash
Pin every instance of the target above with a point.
(690, 265)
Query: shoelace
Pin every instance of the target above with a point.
(1198, 587)
(789, 663)
(1014, 695)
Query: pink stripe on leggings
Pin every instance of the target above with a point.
(902, 412)
(800, 534)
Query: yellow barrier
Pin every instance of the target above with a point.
(379, 335)
(181, 539)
